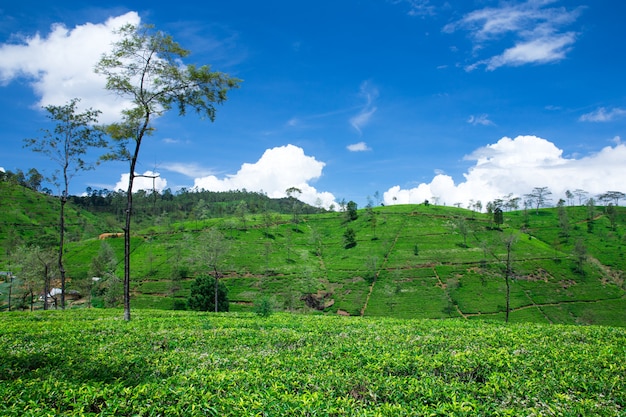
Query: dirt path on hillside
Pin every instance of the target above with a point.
(448, 296)
(382, 266)
(539, 306)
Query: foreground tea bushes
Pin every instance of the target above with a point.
(90, 362)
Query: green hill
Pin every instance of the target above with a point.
(412, 261)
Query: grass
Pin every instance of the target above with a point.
(91, 363)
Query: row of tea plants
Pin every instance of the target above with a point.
(167, 363)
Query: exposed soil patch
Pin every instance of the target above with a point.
(539, 275)
(318, 301)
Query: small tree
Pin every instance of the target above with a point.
(351, 211)
(210, 253)
(35, 268)
(264, 306)
(611, 212)
(73, 135)
(102, 271)
(202, 296)
(463, 228)
(498, 216)
(591, 212)
(242, 211)
(509, 242)
(372, 220)
(145, 67)
(349, 238)
(563, 219)
(293, 193)
(580, 255)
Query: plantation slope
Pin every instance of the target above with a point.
(413, 262)
(89, 362)
(32, 218)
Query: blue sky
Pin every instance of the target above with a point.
(450, 101)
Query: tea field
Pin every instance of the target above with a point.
(89, 362)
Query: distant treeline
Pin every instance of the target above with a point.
(190, 203)
(183, 204)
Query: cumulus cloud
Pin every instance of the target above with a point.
(359, 147)
(603, 115)
(482, 119)
(516, 166)
(277, 170)
(369, 93)
(60, 65)
(142, 182)
(535, 29)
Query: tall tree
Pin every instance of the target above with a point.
(539, 197)
(581, 194)
(73, 135)
(145, 67)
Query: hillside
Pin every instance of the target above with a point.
(412, 261)
(29, 217)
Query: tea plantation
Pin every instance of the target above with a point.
(89, 362)
(405, 261)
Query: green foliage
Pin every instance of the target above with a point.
(194, 364)
(264, 306)
(498, 216)
(349, 238)
(351, 211)
(202, 297)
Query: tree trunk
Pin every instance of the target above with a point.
(46, 287)
(129, 208)
(61, 241)
(216, 286)
(506, 277)
(10, 289)
(129, 211)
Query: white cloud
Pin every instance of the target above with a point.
(171, 141)
(603, 115)
(517, 166)
(142, 182)
(369, 93)
(60, 65)
(188, 169)
(277, 170)
(293, 122)
(535, 51)
(418, 7)
(535, 28)
(483, 119)
(358, 147)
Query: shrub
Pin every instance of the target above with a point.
(202, 297)
(264, 306)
